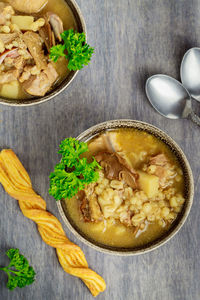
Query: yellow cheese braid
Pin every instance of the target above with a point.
(17, 184)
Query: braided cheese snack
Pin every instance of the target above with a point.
(17, 184)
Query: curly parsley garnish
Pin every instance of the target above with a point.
(75, 49)
(72, 173)
(19, 272)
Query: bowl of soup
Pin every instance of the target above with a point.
(143, 195)
(28, 30)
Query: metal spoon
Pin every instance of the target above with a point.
(190, 72)
(169, 97)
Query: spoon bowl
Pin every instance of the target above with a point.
(190, 72)
(168, 96)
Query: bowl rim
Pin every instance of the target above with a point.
(65, 83)
(87, 134)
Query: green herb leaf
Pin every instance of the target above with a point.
(75, 49)
(56, 52)
(12, 282)
(21, 274)
(73, 172)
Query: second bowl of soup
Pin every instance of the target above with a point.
(143, 194)
(27, 34)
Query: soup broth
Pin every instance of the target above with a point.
(157, 210)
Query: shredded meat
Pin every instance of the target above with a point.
(28, 71)
(38, 85)
(115, 168)
(159, 160)
(19, 63)
(9, 76)
(34, 44)
(89, 205)
(84, 206)
(8, 37)
(163, 169)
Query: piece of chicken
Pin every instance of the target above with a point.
(39, 85)
(105, 142)
(9, 76)
(28, 6)
(163, 169)
(89, 205)
(7, 38)
(34, 44)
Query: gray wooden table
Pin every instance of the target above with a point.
(133, 39)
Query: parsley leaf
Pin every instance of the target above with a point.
(22, 274)
(56, 52)
(72, 173)
(75, 49)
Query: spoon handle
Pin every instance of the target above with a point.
(194, 118)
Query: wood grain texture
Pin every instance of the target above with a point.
(133, 40)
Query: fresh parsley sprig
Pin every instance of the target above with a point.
(19, 272)
(75, 49)
(73, 172)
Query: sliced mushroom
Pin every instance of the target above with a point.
(129, 178)
(53, 38)
(51, 30)
(110, 164)
(115, 168)
(46, 34)
(56, 24)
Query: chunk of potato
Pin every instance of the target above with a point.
(10, 90)
(98, 227)
(119, 229)
(148, 183)
(23, 22)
